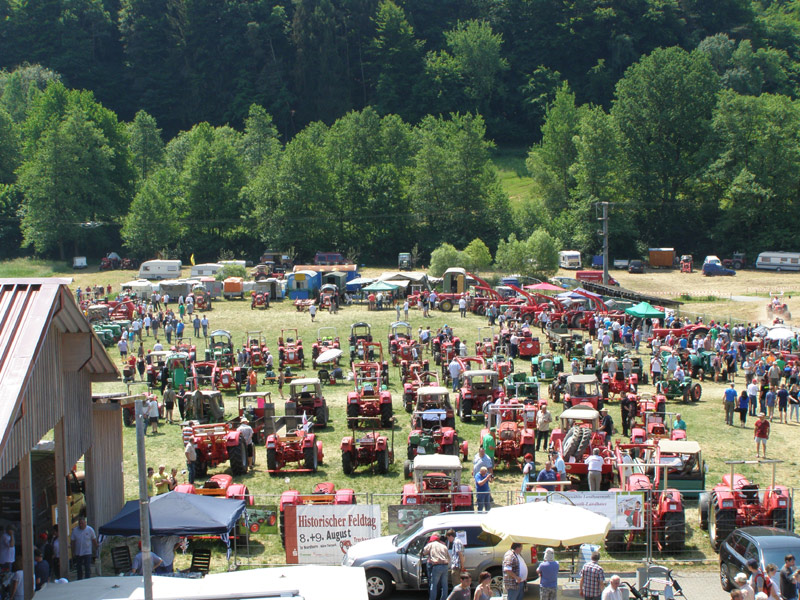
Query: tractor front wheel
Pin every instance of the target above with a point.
(272, 459)
(238, 457)
(382, 457)
(310, 458)
(411, 452)
(466, 410)
(347, 462)
(704, 503)
(720, 524)
(127, 418)
(780, 518)
(615, 541)
(386, 415)
(674, 532)
(201, 468)
(408, 402)
(697, 392)
(321, 416)
(408, 469)
(352, 410)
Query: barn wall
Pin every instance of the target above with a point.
(104, 477)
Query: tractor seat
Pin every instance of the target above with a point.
(749, 492)
(325, 487)
(211, 484)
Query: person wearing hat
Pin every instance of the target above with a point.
(761, 435)
(606, 423)
(543, 421)
(439, 563)
(246, 433)
(528, 470)
(548, 573)
(746, 588)
(729, 400)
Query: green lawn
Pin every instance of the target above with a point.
(512, 172)
(705, 419)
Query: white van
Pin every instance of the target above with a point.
(779, 261)
(160, 269)
(238, 263)
(569, 259)
(206, 269)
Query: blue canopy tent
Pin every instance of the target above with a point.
(179, 514)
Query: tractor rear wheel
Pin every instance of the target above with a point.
(674, 532)
(272, 459)
(201, 468)
(687, 394)
(127, 418)
(780, 518)
(571, 442)
(352, 410)
(382, 457)
(615, 541)
(347, 462)
(697, 392)
(321, 416)
(720, 524)
(238, 457)
(408, 469)
(310, 458)
(466, 409)
(703, 503)
(528, 449)
(583, 443)
(408, 402)
(412, 451)
(446, 305)
(386, 415)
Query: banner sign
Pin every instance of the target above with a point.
(321, 534)
(625, 510)
(402, 516)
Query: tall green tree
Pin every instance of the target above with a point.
(480, 256)
(155, 219)
(9, 148)
(147, 147)
(261, 142)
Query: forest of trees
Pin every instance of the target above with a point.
(192, 126)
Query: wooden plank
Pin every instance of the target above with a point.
(76, 350)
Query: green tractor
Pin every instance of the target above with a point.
(523, 387)
(546, 367)
(699, 363)
(684, 390)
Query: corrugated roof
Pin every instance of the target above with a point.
(28, 307)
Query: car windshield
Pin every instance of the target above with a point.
(408, 533)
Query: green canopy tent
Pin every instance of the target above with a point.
(645, 310)
(381, 286)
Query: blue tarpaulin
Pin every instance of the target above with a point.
(178, 514)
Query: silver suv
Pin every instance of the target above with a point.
(395, 561)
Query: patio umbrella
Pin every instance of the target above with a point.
(544, 287)
(547, 523)
(780, 333)
(645, 310)
(328, 356)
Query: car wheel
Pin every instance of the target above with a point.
(496, 584)
(379, 585)
(724, 577)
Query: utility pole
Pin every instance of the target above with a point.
(144, 503)
(604, 233)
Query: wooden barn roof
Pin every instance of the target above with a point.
(28, 309)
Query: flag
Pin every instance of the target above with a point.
(191, 259)
(306, 423)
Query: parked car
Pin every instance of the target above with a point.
(713, 269)
(765, 544)
(395, 561)
(567, 283)
(636, 266)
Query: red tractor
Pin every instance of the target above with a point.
(187, 346)
(295, 447)
(305, 398)
(204, 374)
(660, 509)
(513, 430)
(371, 449)
(477, 388)
(368, 398)
(445, 348)
(736, 502)
(527, 345)
(617, 384)
(437, 480)
(409, 370)
(221, 485)
(359, 332)
(124, 310)
(687, 263)
(327, 339)
(324, 493)
(259, 300)
(576, 438)
(402, 343)
(582, 390)
(110, 261)
(215, 444)
(487, 342)
(290, 350)
(433, 397)
(129, 406)
(256, 346)
(776, 308)
(417, 378)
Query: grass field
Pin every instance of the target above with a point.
(705, 419)
(512, 172)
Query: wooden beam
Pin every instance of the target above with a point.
(26, 510)
(76, 350)
(61, 501)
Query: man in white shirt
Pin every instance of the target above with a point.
(595, 463)
(613, 591)
(559, 465)
(152, 414)
(455, 372)
(246, 433)
(752, 396)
